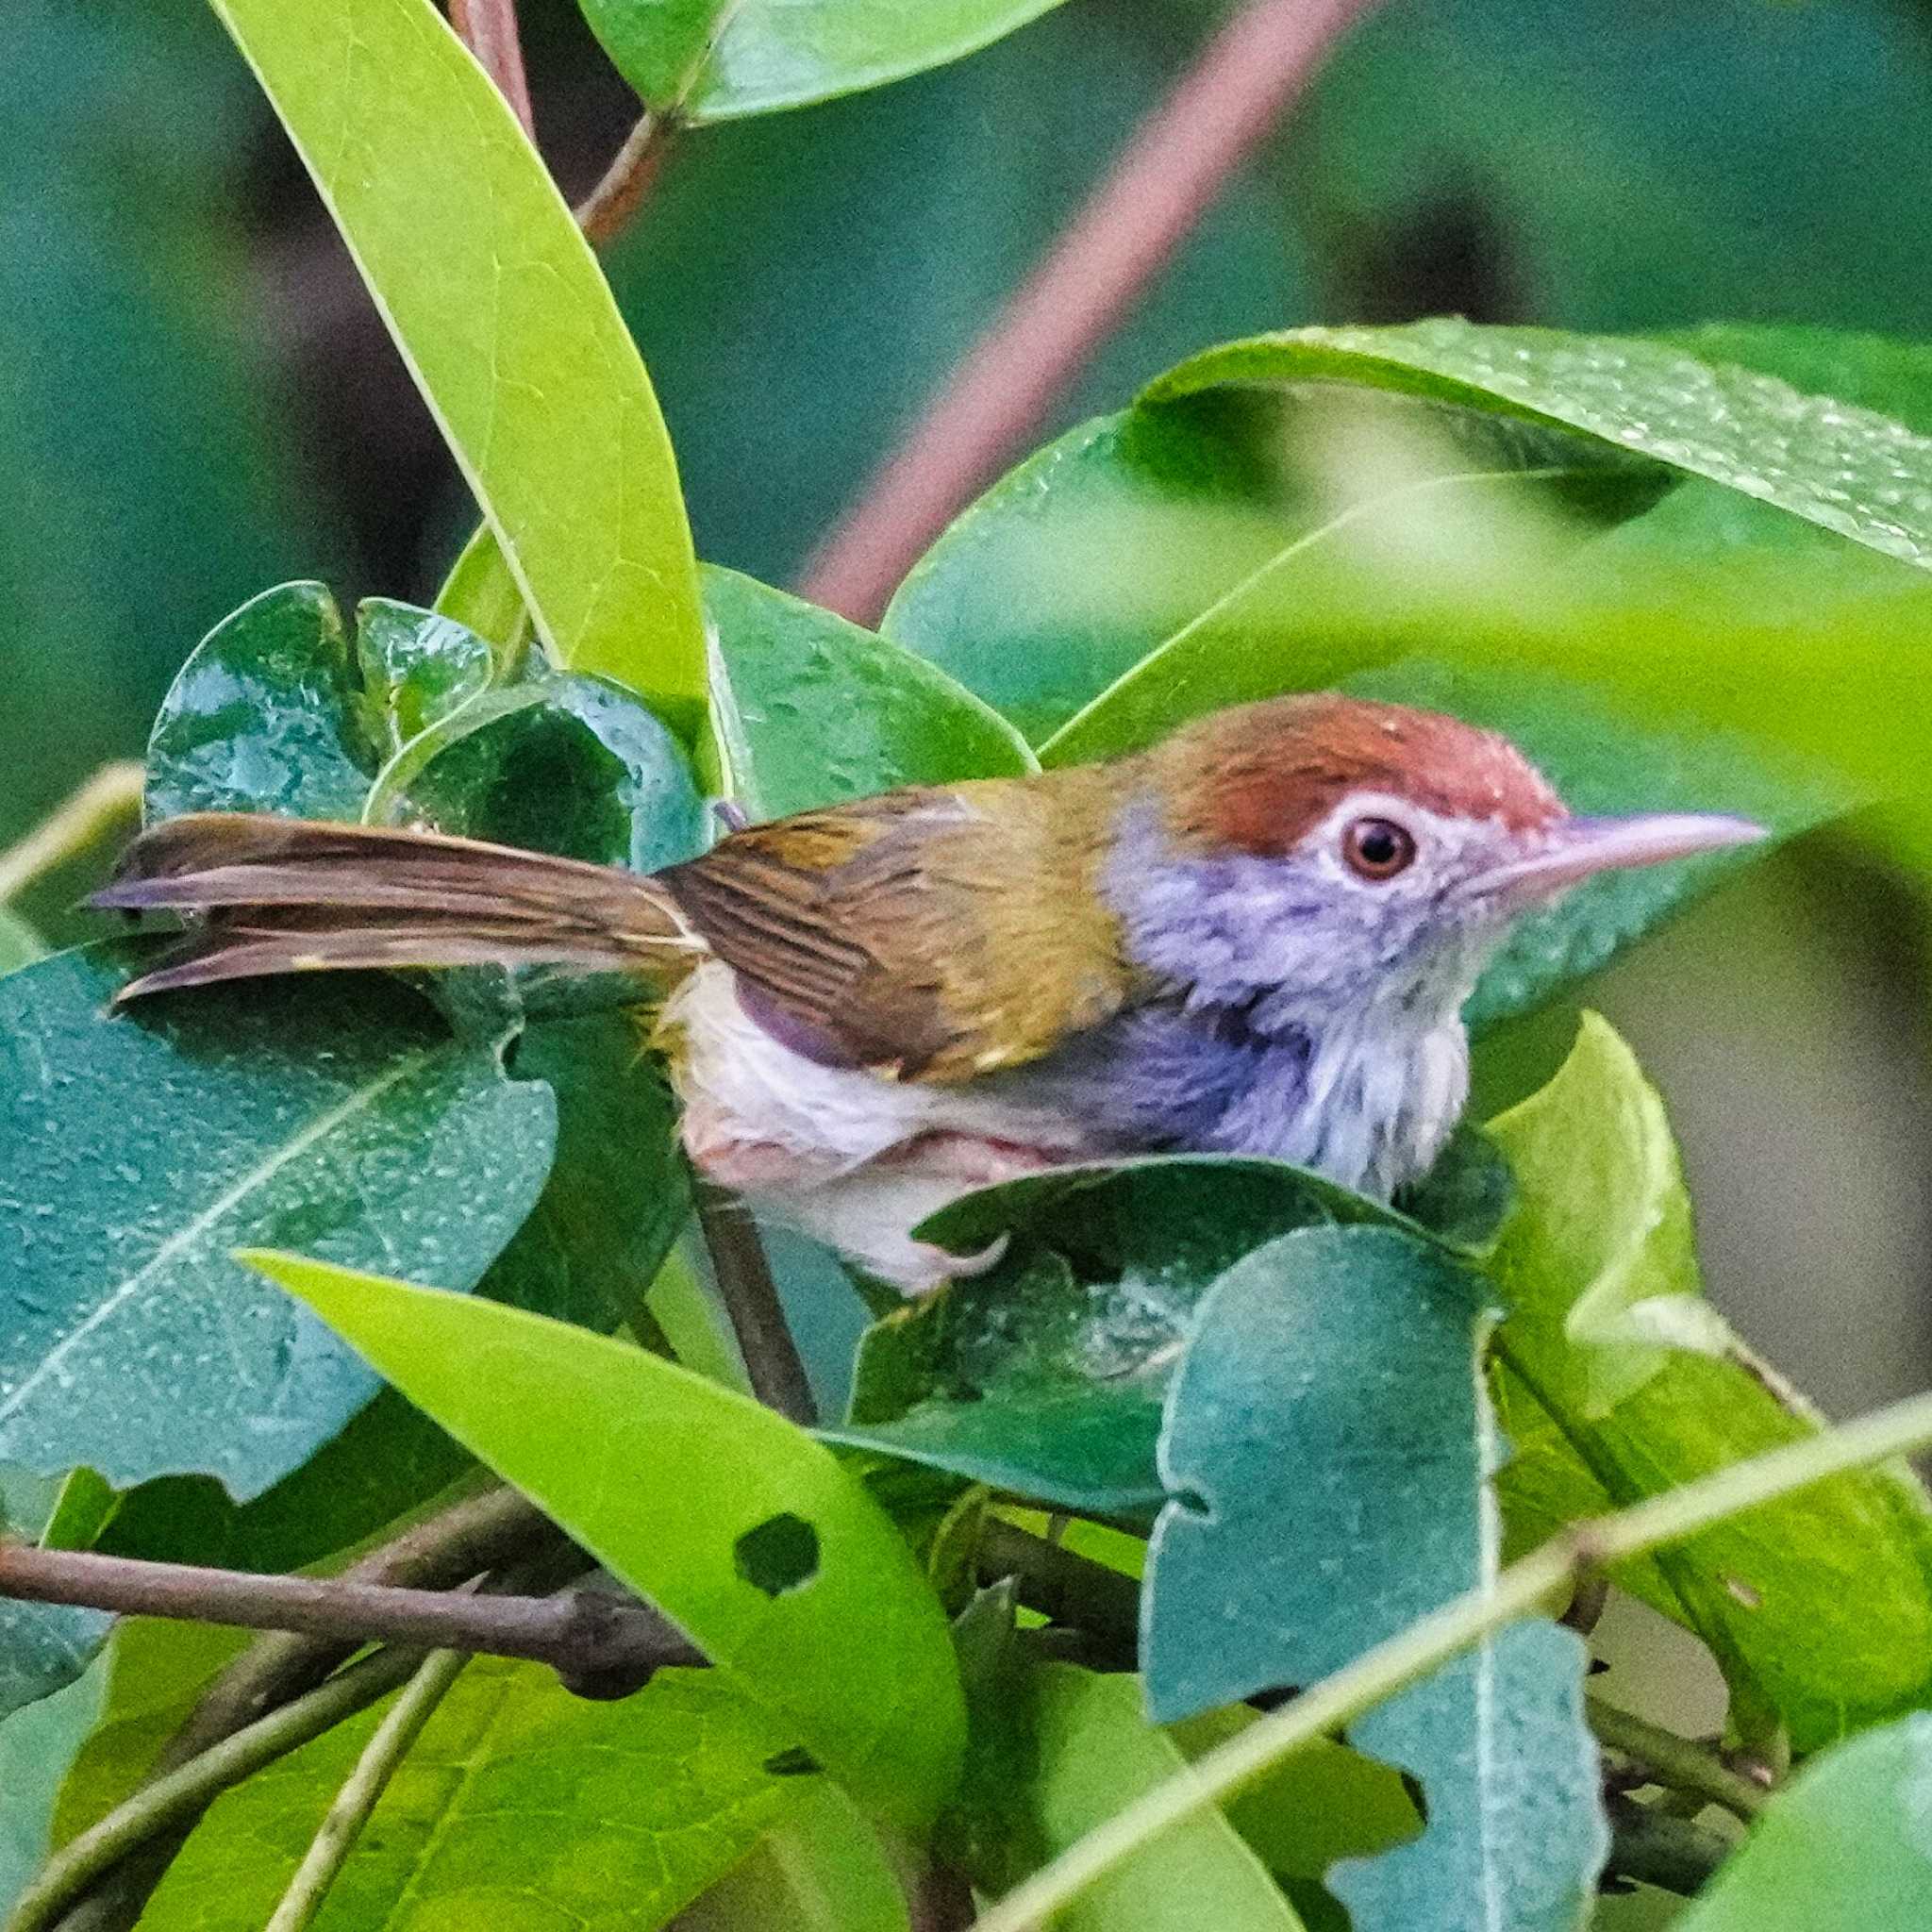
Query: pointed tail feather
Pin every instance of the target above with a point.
(294, 895)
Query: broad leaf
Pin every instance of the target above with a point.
(518, 1804)
(1848, 1844)
(506, 323)
(1820, 1605)
(716, 61)
(1045, 1375)
(1328, 1450)
(19, 944)
(1848, 468)
(37, 1746)
(139, 1148)
(43, 1647)
(747, 1533)
(819, 710)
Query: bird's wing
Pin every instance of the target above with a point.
(930, 934)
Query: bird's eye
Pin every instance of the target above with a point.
(1377, 848)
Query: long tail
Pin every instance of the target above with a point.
(294, 895)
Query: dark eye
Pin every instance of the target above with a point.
(1377, 848)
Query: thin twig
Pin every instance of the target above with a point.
(489, 29)
(604, 212)
(187, 1791)
(1677, 1762)
(1658, 1848)
(751, 1300)
(586, 1638)
(381, 1757)
(112, 794)
(1067, 1587)
(1171, 172)
(1429, 1642)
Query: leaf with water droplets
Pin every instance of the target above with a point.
(138, 1149)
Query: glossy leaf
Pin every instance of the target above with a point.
(507, 325)
(518, 1806)
(1045, 1374)
(712, 60)
(1057, 1750)
(1848, 468)
(1849, 1842)
(138, 1149)
(1327, 1449)
(837, 1634)
(821, 710)
(1820, 1606)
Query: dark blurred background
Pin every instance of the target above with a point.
(196, 401)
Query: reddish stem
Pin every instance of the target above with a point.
(1170, 172)
(489, 29)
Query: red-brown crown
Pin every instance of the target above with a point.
(1261, 776)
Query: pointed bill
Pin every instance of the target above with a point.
(1579, 848)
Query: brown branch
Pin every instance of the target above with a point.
(751, 1300)
(586, 1639)
(1170, 174)
(603, 213)
(489, 29)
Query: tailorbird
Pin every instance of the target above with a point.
(1256, 938)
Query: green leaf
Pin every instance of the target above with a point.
(1820, 1605)
(819, 710)
(1848, 1844)
(714, 61)
(517, 1807)
(43, 1647)
(137, 1149)
(1847, 468)
(1059, 1750)
(480, 594)
(1045, 1374)
(37, 1746)
(506, 323)
(742, 1528)
(19, 944)
(1327, 1449)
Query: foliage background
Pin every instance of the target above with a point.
(197, 400)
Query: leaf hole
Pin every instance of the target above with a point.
(779, 1556)
(1193, 1502)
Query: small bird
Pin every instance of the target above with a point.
(1256, 938)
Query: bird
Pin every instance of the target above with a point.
(1256, 937)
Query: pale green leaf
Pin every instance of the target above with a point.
(752, 1537)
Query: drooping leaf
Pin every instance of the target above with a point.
(506, 323)
(1849, 469)
(1326, 1451)
(821, 710)
(1849, 1842)
(712, 60)
(43, 1647)
(519, 1804)
(747, 1533)
(1045, 1374)
(1820, 1605)
(138, 1149)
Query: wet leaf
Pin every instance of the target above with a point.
(138, 1149)
(822, 710)
(1326, 1450)
(538, 389)
(519, 1802)
(1818, 1606)
(712, 60)
(849, 1650)
(1848, 1843)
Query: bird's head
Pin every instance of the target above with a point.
(1354, 860)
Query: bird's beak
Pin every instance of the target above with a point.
(1579, 848)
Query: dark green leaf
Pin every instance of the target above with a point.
(1820, 1606)
(139, 1148)
(713, 61)
(822, 710)
(855, 1661)
(518, 1805)
(1045, 1374)
(1327, 1449)
(1848, 468)
(506, 323)
(1849, 1843)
